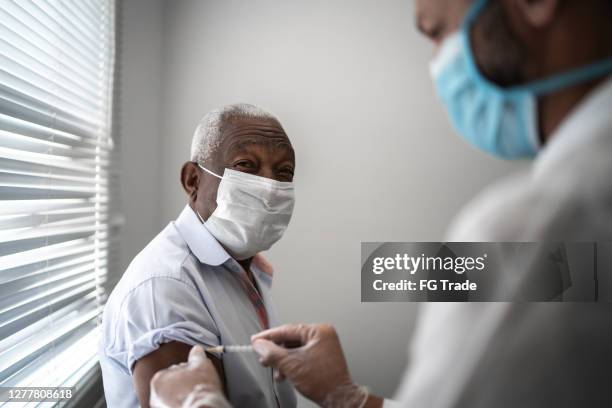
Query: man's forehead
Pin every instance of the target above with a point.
(245, 142)
(240, 135)
(245, 127)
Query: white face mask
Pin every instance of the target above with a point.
(252, 212)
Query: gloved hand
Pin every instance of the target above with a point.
(193, 384)
(317, 368)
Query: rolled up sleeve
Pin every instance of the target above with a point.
(161, 310)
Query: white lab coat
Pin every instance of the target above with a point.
(527, 355)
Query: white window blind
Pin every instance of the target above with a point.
(56, 87)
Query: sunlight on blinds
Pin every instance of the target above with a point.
(56, 154)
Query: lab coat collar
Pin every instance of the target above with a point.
(590, 120)
(199, 240)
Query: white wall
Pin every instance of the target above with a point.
(139, 84)
(376, 158)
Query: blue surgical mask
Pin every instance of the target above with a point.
(500, 121)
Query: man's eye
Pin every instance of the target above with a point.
(245, 164)
(288, 172)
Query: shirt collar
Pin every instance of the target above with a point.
(199, 240)
(589, 120)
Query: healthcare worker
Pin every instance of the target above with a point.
(519, 79)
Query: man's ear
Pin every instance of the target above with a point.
(537, 13)
(190, 179)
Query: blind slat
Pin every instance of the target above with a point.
(23, 66)
(15, 172)
(74, 76)
(45, 231)
(34, 130)
(49, 361)
(30, 310)
(62, 15)
(40, 220)
(49, 144)
(47, 268)
(48, 216)
(52, 160)
(32, 84)
(89, 9)
(15, 178)
(14, 341)
(32, 15)
(26, 107)
(41, 206)
(44, 49)
(85, 13)
(76, 354)
(48, 252)
(28, 350)
(18, 247)
(18, 289)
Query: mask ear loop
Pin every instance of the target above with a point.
(209, 172)
(199, 216)
(212, 174)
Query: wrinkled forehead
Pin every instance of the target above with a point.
(244, 134)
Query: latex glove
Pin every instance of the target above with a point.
(317, 368)
(193, 384)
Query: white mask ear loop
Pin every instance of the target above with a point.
(199, 216)
(208, 171)
(212, 174)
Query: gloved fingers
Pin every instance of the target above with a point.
(278, 376)
(198, 362)
(197, 355)
(270, 354)
(287, 333)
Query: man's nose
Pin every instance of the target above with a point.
(267, 172)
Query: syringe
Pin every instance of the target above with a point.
(230, 349)
(236, 348)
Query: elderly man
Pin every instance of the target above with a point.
(200, 281)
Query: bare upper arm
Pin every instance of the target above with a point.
(166, 355)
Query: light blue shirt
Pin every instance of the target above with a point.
(183, 286)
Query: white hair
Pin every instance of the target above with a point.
(207, 136)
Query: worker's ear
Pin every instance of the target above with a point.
(536, 13)
(190, 179)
